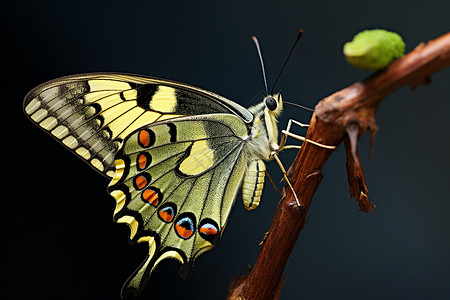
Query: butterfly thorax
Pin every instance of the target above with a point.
(261, 145)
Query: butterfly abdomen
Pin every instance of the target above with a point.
(253, 184)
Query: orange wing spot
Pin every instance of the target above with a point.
(184, 232)
(208, 230)
(140, 181)
(166, 216)
(144, 138)
(150, 197)
(142, 161)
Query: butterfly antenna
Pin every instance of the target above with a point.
(292, 49)
(298, 105)
(261, 61)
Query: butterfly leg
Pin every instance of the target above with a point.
(275, 156)
(285, 133)
(253, 184)
(284, 136)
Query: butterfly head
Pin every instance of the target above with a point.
(273, 105)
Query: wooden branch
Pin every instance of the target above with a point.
(344, 115)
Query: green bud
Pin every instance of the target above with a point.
(374, 49)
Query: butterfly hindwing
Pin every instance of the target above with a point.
(92, 114)
(175, 184)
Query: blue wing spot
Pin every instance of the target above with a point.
(167, 212)
(185, 225)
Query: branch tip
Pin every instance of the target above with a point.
(355, 175)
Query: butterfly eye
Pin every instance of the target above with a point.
(271, 103)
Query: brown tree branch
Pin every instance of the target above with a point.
(343, 116)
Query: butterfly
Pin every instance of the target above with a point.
(176, 155)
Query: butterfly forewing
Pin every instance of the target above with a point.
(92, 114)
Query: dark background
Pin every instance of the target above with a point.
(58, 238)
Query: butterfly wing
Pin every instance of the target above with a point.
(176, 154)
(175, 184)
(91, 114)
